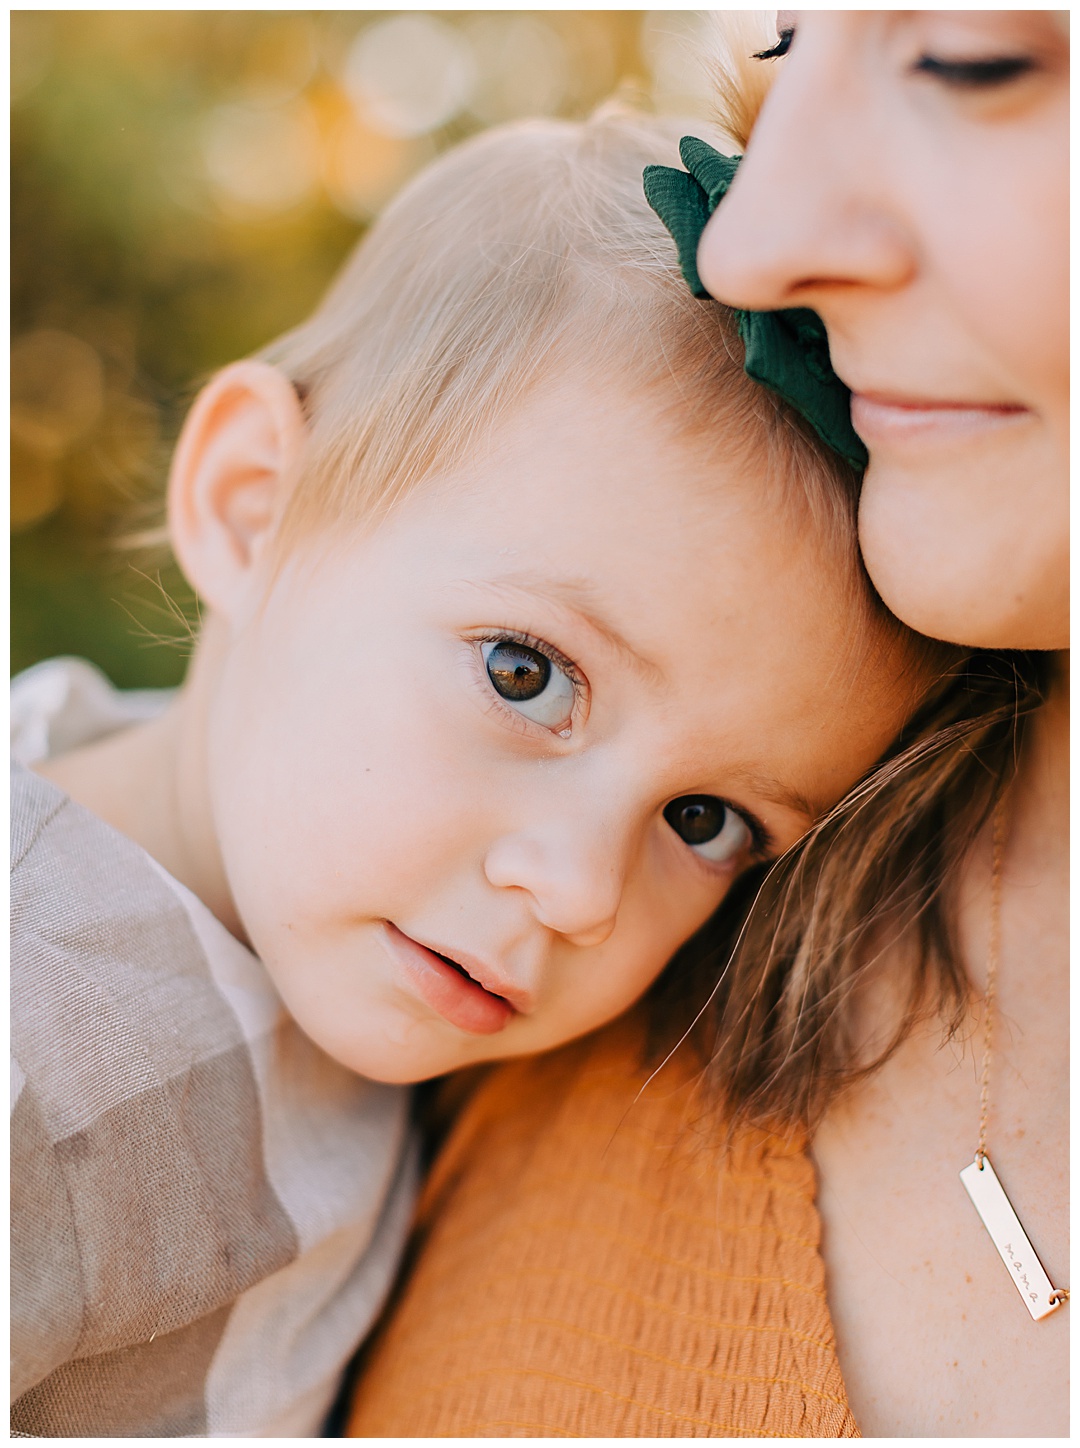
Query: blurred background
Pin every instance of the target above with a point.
(184, 185)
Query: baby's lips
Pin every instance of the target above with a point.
(491, 980)
(449, 992)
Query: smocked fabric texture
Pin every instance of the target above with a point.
(206, 1211)
(588, 1262)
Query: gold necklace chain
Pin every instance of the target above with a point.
(993, 953)
(980, 1179)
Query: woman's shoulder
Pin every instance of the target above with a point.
(593, 1258)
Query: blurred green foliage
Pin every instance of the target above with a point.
(184, 185)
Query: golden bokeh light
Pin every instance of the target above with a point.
(184, 185)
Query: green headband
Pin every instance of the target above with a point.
(786, 351)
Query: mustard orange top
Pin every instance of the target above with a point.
(589, 1264)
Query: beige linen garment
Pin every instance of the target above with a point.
(207, 1211)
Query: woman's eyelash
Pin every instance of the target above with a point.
(972, 74)
(782, 46)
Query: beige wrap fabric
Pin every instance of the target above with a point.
(206, 1211)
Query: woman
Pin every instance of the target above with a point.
(906, 179)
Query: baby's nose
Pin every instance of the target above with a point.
(576, 885)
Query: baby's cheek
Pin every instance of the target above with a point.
(633, 959)
(662, 926)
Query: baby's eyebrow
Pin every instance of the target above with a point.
(578, 596)
(767, 786)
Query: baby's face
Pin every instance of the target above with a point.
(478, 772)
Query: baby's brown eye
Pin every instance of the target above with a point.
(517, 672)
(710, 827)
(696, 818)
(532, 685)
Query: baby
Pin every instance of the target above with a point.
(529, 623)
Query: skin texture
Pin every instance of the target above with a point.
(926, 220)
(927, 223)
(339, 759)
(932, 1336)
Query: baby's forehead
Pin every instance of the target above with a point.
(586, 499)
(589, 476)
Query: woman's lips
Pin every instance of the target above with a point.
(886, 421)
(456, 997)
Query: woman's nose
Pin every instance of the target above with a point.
(803, 221)
(574, 876)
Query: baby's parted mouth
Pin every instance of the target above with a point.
(448, 986)
(456, 965)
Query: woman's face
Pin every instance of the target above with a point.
(908, 179)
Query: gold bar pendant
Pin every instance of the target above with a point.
(1008, 1236)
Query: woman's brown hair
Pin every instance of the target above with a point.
(767, 990)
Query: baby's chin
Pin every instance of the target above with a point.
(397, 1050)
(402, 1043)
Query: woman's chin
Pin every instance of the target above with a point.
(957, 561)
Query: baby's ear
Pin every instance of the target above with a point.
(230, 476)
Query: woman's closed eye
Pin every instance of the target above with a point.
(530, 678)
(974, 74)
(712, 829)
(960, 73)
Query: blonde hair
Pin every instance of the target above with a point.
(740, 81)
(527, 249)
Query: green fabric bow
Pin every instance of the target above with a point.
(786, 351)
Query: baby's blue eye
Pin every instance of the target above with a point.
(529, 682)
(710, 827)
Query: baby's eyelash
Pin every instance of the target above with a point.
(761, 841)
(971, 74)
(782, 46)
(530, 641)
